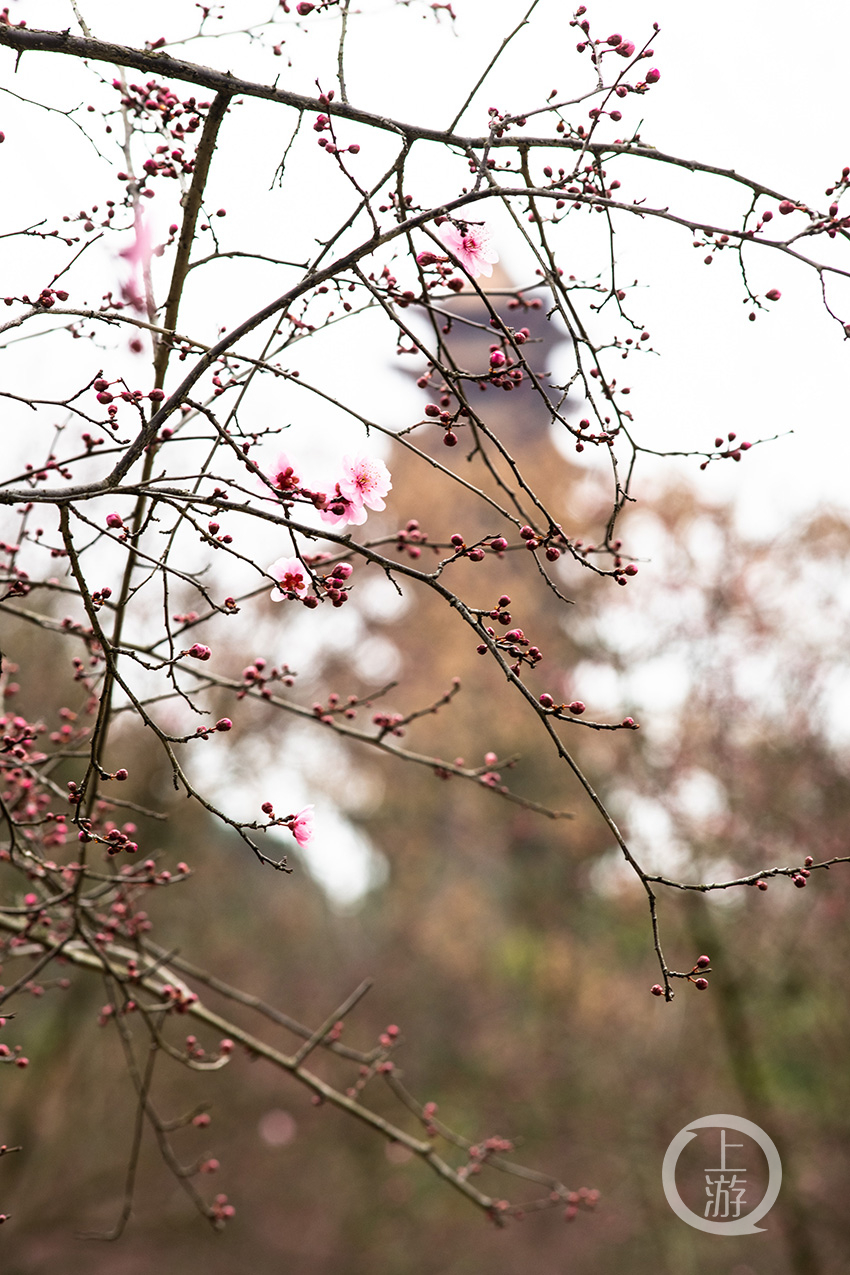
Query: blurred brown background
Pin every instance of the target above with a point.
(511, 950)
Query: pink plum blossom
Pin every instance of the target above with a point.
(139, 256)
(341, 510)
(470, 244)
(365, 480)
(291, 576)
(301, 826)
(283, 475)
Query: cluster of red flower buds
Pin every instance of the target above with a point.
(256, 676)
(731, 449)
(324, 123)
(381, 1065)
(799, 878)
(411, 539)
(336, 707)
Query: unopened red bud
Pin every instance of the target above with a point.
(156, 396)
(614, 40)
(475, 555)
(703, 962)
(114, 520)
(576, 707)
(773, 295)
(657, 989)
(504, 601)
(701, 983)
(786, 207)
(653, 76)
(527, 533)
(546, 700)
(809, 860)
(499, 544)
(304, 8)
(267, 808)
(762, 885)
(457, 540)
(450, 438)
(223, 724)
(121, 774)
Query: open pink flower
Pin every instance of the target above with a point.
(340, 510)
(283, 476)
(365, 481)
(470, 244)
(139, 256)
(301, 826)
(291, 576)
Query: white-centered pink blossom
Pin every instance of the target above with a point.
(365, 480)
(301, 826)
(291, 576)
(471, 244)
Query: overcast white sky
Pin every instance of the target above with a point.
(762, 92)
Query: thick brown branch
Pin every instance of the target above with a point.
(163, 64)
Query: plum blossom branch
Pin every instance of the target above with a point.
(119, 964)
